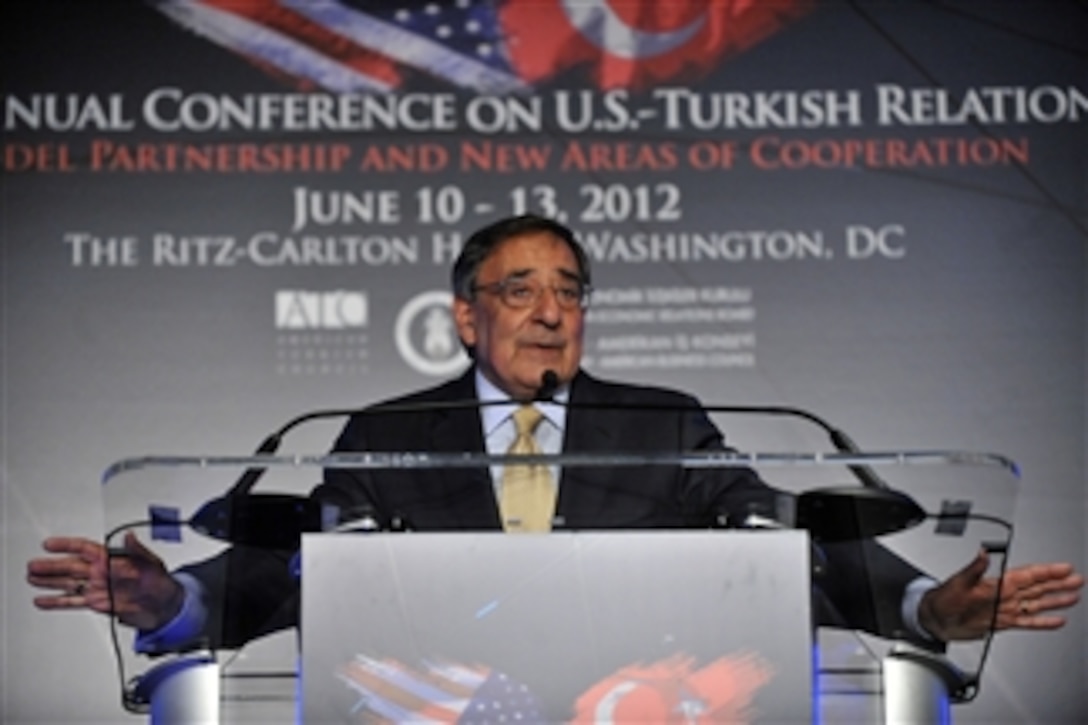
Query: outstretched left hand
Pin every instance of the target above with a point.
(962, 607)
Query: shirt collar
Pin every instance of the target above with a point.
(493, 416)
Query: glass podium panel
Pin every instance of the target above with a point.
(964, 501)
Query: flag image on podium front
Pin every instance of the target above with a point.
(435, 692)
(671, 690)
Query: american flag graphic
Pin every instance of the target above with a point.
(492, 47)
(436, 692)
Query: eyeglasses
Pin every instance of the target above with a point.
(520, 293)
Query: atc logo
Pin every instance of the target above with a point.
(426, 337)
(331, 310)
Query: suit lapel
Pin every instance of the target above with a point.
(587, 430)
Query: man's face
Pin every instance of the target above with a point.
(514, 346)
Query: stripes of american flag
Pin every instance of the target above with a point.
(361, 46)
(436, 692)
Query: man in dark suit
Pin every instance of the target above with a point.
(520, 288)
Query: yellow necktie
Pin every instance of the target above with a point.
(528, 493)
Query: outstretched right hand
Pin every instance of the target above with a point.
(145, 595)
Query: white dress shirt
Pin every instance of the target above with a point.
(499, 432)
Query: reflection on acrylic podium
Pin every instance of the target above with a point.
(622, 626)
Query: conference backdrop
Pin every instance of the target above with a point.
(218, 214)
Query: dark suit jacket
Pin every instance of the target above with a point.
(251, 592)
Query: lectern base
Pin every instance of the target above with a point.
(918, 687)
(184, 690)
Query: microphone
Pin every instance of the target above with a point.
(274, 520)
(838, 513)
(549, 383)
(843, 444)
(249, 479)
(265, 520)
(271, 444)
(848, 513)
(839, 439)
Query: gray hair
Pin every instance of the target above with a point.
(483, 242)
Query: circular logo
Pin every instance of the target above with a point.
(426, 336)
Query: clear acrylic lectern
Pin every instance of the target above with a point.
(434, 613)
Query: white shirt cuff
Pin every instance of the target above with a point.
(912, 600)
